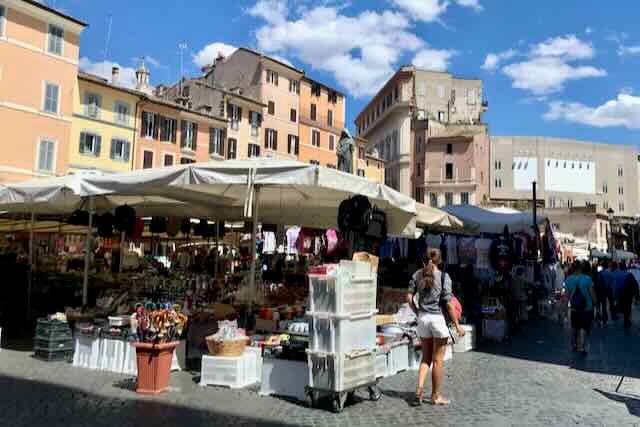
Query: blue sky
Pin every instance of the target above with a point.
(554, 68)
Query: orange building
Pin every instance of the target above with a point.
(322, 112)
(39, 49)
(367, 164)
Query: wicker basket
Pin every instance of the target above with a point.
(226, 348)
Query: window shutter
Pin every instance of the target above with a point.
(259, 119)
(183, 133)
(249, 150)
(82, 140)
(239, 113)
(127, 150)
(42, 155)
(98, 144)
(112, 153)
(266, 138)
(212, 137)
(144, 123)
(156, 122)
(195, 137)
(275, 140)
(222, 141)
(229, 111)
(297, 145)
(174, 130)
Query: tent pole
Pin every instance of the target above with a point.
(31, 267)
(87, 254)
(215, 266)
(254, 232)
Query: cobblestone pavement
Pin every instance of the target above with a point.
(532, 380)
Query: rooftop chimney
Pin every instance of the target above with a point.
(115, 73)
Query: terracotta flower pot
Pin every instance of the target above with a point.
(154, 366)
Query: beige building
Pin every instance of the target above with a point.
(367, 164)
(271, 82)
(244, 115)
(414, 106)
(568, 173)
(589, 223)
(39, 49)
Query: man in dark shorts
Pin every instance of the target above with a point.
(579, 288)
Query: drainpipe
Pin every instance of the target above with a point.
(135, 134)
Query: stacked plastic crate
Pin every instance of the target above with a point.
(53, 340)
(342, 327)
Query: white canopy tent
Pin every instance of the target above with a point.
(485, 221)
(432, 217)
(281, 192)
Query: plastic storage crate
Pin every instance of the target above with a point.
(254, 360)
(52, 329)
(233, 372)
(53, 345)
(337, 372)
(87, 352)
(348, 289)
(398, 357)
(382, 364)
(341, 334)
(466, 343)
(415, 357)
(53, 356)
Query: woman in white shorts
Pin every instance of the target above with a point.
(428, 288)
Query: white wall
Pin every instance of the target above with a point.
(570, 176)
(525, 171)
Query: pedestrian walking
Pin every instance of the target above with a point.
(518, 297)
(605, 297)
(578, 287)
(628, 294)
(430, 295)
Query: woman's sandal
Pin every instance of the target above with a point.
(417, 400)
(440, 401)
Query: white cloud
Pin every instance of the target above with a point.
(208, 54)
(628, 50)
(549, 65)
(360, 51)
(588, 30)
(492, 61)
(423, 10)
(433, 59)
(547, 75)
(568, 47)
(624, 111)
(430, 10)
(473, 4)
(153, 61)
(103, 69)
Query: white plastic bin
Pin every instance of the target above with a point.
(466, 343)
(341, 371)
(382, 367)
(254, 361)
(348, 289)
(341, 334)
(233, 372)
(415, 357)
(398, 357)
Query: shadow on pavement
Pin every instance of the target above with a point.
(632, 403)
(34, 403)
(613, 351)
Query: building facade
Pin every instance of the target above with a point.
(244, 115)
(367, 164)
(568, 173)
(104, 125)
(321, 121)
(270, 82)
(451, 168)
(413, 107)
(39, 50)
(590, 223)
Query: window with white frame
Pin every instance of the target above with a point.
(361, 172)
(55, 40)
(90, 144)
(3, 20)
(255, 119)
(235, 114)
(148, 124)
(448, 199)
(46, 155)
(294, 86)
(254, 150)
(315, 138)
(433, 200)
(216, 141)
(168, 160)
(272, 77)
(471, 96)
(419, 195)
(441, 116)
(314, 162)
(441, 91)
(293, 146)
(120, 149)
(464, 198)
(121, 112)
(232, 148)
(92, 104)
(271, 139)
(330, 118)
(189, 135)
(51, 98)
(332, 143)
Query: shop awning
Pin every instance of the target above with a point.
(436, 218)
(484, 221)
(620, 255)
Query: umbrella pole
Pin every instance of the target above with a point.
(215, 265)
(87, 252)
(30, 277)
(254, 232)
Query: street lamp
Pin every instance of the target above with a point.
(610, 213)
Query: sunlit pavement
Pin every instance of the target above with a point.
(533, 379)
